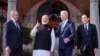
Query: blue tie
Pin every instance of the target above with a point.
(86, 30)
(62, 27)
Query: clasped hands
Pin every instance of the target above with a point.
(66, 40)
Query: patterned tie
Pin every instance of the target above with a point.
(17, 26)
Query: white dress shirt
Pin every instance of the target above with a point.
(63, 24)
(86, 25)
(16, 24)
(13, 21)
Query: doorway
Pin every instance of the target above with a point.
(52, 9)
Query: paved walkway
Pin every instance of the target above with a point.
(56, 50)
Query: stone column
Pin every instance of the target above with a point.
(11, 6)
(0, 40)
(94, 16)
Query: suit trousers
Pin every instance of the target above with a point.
(88, 52)
(66, 52)
(16, 52)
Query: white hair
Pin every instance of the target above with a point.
(64, 11)
(12, 12)
(45, 16)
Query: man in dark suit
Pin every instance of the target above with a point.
(87, 38)
(66, 32)
(14, 37)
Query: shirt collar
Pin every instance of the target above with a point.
(65, 21)
(13, 20)
(86, 24)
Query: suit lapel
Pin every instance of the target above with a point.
(83, 30)
(89, 29)
(13, 24)
(65, 26)
(19, 25)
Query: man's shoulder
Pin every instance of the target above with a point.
(92, 24)
(70, 22)
(9, 22)
(80, 25)
(60, 23)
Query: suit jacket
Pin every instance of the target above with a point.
(89, 39)
(68, 32)
(14, 37)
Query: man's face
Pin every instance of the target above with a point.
(45, 19)
(64, 15)
(85, 19)
(15, 15)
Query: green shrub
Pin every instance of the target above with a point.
(75, 40)
(27, 53)
(26, 34)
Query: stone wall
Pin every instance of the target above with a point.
(24, 6)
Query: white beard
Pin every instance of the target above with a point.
(44, 22)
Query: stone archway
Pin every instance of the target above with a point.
(52, 9)
(30, 18)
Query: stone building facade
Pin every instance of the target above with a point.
(31, 10)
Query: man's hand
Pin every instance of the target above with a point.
(79, 51)
(37, 24)
(8, 49)
(23, 46)
(66, 40)
(95, 50)
(51, 54)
